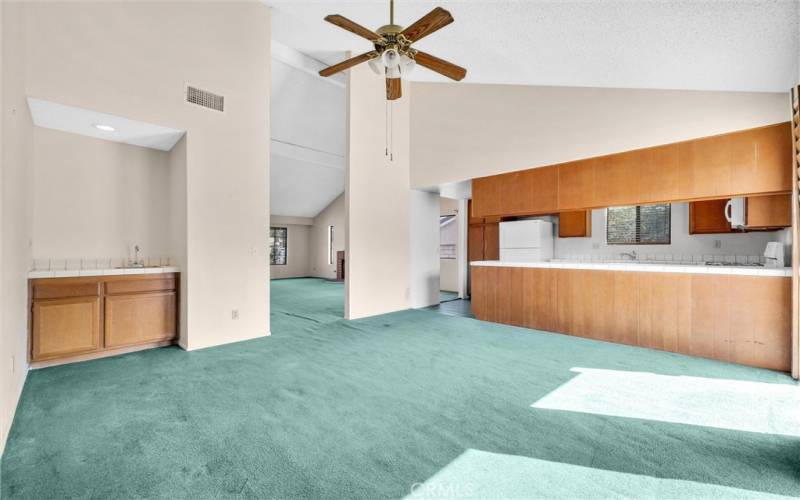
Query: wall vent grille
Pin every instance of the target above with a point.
(205, 98)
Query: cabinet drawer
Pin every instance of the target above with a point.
(155, 284)
(50, 290)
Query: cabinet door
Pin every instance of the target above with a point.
(658, 175)
(491, 241)
(761, 160)
(475, 242)
(769, 211)
(514, 194)
(616, 178)
(708, 217)
(539, 298)
(704, 167)
(575, 185)
(63, 327)
(139, 318)
(486, 196)
(575, 224)
(542, 186)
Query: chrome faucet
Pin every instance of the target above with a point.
(135, 262)
(632, 254)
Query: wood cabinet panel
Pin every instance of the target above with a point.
(769, 211)
(742, 319)
(658, 175)
(67, 288)
(486, 196)
(704, 167)
(141, 285)
(478, 289)
(626, 308)
(708, 217)
(139, 318)
(491, 241)
(617, 178)
(63, 327)
(539, 299)
(475, 242)
(576, 224)
(575, 185)
(761, 160)
(542, 188)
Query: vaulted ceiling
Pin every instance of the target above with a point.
(748, 45)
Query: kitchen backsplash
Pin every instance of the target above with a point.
(664, 257)
(59, 264)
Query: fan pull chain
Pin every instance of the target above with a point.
(391, 131)
(386, 131)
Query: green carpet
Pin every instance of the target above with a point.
(413, 402)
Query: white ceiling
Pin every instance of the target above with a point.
(748, 45)
(308, 135)
(81, 121)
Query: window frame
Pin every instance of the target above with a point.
(637, 224)
(274, 238)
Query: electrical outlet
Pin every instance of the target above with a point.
(234, 314)
(596, 245)
(717, 243)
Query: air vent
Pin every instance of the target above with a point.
(205, 98)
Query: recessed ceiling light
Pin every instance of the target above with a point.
(104, 128)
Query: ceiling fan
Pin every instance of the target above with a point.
(393, 54)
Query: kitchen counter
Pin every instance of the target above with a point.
(117, 271)
(651, 267)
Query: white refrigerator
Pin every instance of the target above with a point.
(526, 241)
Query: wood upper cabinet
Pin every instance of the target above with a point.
(616, 178)
(704, 167)
(749, 162)
(576, 224)
(486, 196)
(65, 327)
(771, 211)
(658, 174)
(761, 160)
(576, 185)
(475, 242)
(708, 217)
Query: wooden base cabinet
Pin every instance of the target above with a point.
(79, 316)
(739, 319)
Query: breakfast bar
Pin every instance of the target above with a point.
(739, 314)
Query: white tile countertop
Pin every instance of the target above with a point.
(647, 267)
(72, 273)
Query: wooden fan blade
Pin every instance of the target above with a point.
(434, 20)
(349, 63)
(394, 88)
(353, 27)
(440, 66)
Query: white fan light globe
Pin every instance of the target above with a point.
(390, 58)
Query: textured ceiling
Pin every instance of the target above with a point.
(750, 45)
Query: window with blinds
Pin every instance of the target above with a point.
(639, 225)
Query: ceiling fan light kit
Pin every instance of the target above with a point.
(393, 55)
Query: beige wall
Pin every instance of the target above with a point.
(376, 199)
(177, 228)
(16, 183)
(462, 131)
(97, 199)
(132, 59)
(332, 215)
(142, 78)
(423, 241)
(297, 249)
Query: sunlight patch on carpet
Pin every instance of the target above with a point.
(719, 403)
(481, 474)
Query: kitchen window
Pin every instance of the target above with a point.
(638, 225)
(277, 246)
